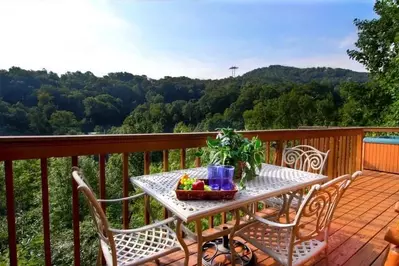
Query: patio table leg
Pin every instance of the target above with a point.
(231, 238)
(179, 233)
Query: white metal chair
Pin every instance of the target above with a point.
(304, 158)
(132, 246)
(297, 242)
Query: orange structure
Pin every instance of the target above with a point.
(381, 154)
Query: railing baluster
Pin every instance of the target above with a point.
(359, 152)
(101, 180)
(348, 151)
(165, 168)
(147, 163)
(326, 144)
(210, 221)
(75, 217)
(197, 162)
(12, 234)
(125, 161)
(182, 158)
(341, 156)
(165, 160)
(267, 149)
(146, 198)
(350, 154)
(45, 212)
(331, 166)
(353, 153)
(224, 217)
(344, 155)
(279, 152)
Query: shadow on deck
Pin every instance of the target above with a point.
(357, 230)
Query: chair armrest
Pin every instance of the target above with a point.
(265, 221)
(122, 199)
(144, 228)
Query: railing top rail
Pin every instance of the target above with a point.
(33, 147)
(39, 138)
(381, 129)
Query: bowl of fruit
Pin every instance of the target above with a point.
(191, 188)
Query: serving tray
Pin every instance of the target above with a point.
(205, 195)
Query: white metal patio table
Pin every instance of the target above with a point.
(272, 181)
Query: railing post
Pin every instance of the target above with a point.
(331, 158)
(359, 151)
(75, 217)
(12, 234)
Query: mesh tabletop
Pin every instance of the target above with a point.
(272, 181)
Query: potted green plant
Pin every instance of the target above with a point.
(231, 148)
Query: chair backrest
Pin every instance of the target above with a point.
(99, 219)
(305, 158)
(317, 209)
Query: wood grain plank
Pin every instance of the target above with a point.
(372, 249)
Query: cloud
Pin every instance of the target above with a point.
(64, 35)
(88, 35)
(348, 41)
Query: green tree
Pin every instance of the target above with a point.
(64, 122)
(378, 44)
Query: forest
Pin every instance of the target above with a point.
(42, 102)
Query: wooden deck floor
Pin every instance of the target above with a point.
(358, 228)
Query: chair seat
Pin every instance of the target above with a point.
(276, 241)
(278, 202)
(135, 248)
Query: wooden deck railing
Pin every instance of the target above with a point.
(345, 145)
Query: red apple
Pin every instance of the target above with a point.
(198, 185)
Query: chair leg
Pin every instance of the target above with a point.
(183, 244)
(326, 255)
(99, 257)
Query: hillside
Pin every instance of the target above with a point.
(278, 73)
(42, 102)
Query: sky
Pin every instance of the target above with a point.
(194, 38)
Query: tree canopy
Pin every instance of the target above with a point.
(377, 49)
(41, 102)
